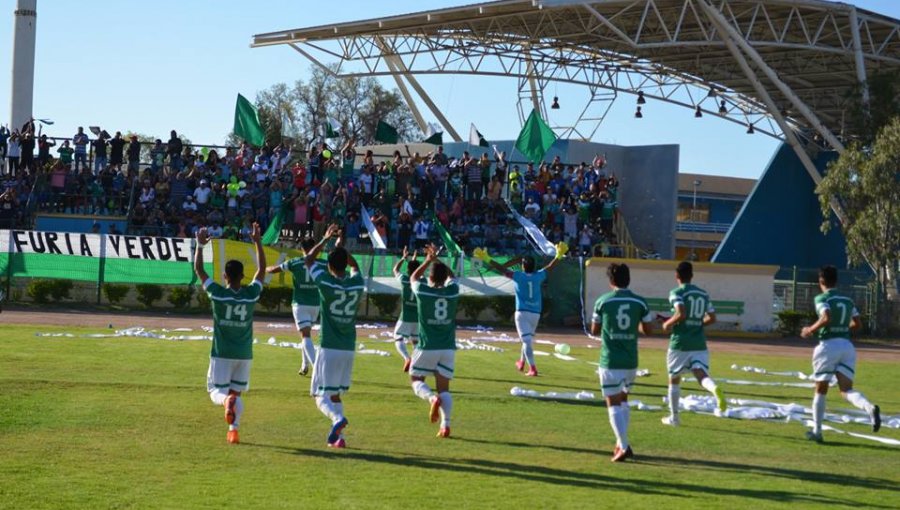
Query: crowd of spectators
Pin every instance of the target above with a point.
(180, 190)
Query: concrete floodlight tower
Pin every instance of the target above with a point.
(22, 91)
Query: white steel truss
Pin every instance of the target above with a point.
(809, 55)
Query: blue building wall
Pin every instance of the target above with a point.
(779, 223)
(648, 182)
(78, 224)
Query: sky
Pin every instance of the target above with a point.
(180, 64)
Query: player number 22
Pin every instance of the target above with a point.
(345, 304)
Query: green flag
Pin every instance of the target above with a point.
(332, 128)
(453, 249)
(273, 232)
(246, 122)
(386, 133)
(536, 138)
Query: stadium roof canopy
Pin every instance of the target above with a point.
(783, 67)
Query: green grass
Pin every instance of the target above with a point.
(126, 423)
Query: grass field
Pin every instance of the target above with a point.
(126, 423)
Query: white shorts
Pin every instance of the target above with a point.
(331, 372)
(425, 363)
(835, 355)
(616, 380)
(228, 374)
(407, 330)
(526, 324)
(682, 361)
(304, 315)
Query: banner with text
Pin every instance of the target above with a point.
(99, 257)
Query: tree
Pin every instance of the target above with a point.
(865, 181)
(865, 120)
(356, 103)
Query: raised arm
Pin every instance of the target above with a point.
(314, 253)
(256, 237)
(198, 255)
(400, 262)
(483, 255)
(430, 256)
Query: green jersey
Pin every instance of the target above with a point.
(232, 319)
(339, 298)
(841, 311)
(688, 335)
(437, 315)
(305, 291)
(409, 312)
(619, 313)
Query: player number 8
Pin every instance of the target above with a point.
(440, 309)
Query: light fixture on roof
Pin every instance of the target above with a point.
(555, 105)
(750, 130)
(640, 99)
(638, 114)
(712, 92)
(723, 110)
(697, 112)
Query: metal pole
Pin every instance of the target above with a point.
(794, 291)
(858, 56)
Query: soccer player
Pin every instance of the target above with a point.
(407, 327)
(527, 285)
(232, 346)
(339, 293)
(304, 302)
(692, 310)
(835, 354)
(618, 316)
(436, 352)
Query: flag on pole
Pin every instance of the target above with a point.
(476, 138)
(534, 233)
(287, 127)
(246, 122)
(47, 122)
(433, 135)
(386, 133)
(273, 232)
(536, 138)
(332, 128)
(374, 236)
(453, 249)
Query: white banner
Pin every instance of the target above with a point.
(172, 249)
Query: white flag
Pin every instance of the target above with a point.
(534, 233)
(377, 241)
(476, 139)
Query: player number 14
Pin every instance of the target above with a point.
(236, 310)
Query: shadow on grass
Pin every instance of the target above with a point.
(554, 476)
(841, 479)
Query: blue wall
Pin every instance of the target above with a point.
(77, 224)
(779, 223)
(648, 182)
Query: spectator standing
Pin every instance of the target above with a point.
(44, 145)
(26, 160)
(173, 149)
(421, 230)
(134, 155)
(14, 151)
(65, 154)
(80, 140)
(100, 150)
(117, 151)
